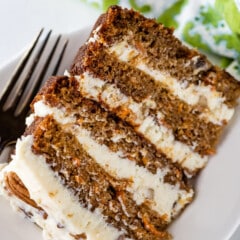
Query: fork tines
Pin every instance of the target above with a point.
(32, 67)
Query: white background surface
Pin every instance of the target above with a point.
(20, 20)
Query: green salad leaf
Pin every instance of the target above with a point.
(230, 13)
(168, 18)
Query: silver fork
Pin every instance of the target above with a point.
(17, 92)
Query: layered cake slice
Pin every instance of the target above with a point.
(172, 95)
(81, 172)
(108, 148)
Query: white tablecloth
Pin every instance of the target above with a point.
(20, 20)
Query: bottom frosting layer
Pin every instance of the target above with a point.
(66, 218)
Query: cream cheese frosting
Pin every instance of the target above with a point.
(160, 136)
(165, 195)
(217, 113)
(59, 203)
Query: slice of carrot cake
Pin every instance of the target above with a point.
(107, 149)
(170, 94)
(80, 172)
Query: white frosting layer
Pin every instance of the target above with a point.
(160, 136)
(163, 195)
(95, 35)
(61, 206)
(192, 94)
(166, 199)
(50, 229)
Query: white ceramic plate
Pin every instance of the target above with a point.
(214, 214)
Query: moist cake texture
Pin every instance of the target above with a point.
(170, 94)
(96, 167)
(109, 148)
